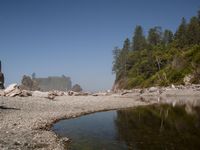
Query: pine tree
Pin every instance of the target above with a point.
(120, 59)
(155, 36)
(139, 41)
(167, 37)
(124, 55)
(126, 46)
(193, 31)
(116, 60)
(199, 16)
(181, 33)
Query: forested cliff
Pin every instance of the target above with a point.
(160, 58)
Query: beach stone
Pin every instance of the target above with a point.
(99, 94)
(56, 93)
(71, 93)
(153, 89)
(25, 93)
(187, 79)
(173, 86)
(81, 94)
(51, 96)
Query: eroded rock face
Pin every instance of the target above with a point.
(1, 78)
(1, 81)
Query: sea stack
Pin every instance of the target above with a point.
(1, 78)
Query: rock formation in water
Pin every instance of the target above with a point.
(1, 78)
(54, 83)
(29, 84)
(76, 88)
(46, 84)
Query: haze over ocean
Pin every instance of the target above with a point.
(76, 37)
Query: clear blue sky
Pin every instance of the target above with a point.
(76, 37)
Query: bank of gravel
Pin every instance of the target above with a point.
(25, 122)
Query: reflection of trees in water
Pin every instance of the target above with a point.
(159, 127)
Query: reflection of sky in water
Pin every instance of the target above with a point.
(150, 127)
(97, 130)
(88, 125)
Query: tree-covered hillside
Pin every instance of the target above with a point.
(160, 58)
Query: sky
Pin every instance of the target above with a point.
(76, 37)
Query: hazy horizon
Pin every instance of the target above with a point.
(75, 38)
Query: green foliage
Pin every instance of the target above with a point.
(160, 59)
(155, 36)
(121, 59)
(193, 31)
(181, 34)
(116, 60)
(139, 41)
(176, 76)
(134, 82)
(167, 37)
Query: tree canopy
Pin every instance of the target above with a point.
(159, 58)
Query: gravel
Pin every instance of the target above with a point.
(25, 122)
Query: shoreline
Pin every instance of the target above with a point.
(27, 121)
(29, 127)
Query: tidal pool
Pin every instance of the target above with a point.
(144, 127)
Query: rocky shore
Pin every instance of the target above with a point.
(26, 118)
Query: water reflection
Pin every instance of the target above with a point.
(146, 127)
(159, 127)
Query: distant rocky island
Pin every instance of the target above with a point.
(54, 83)
(62, 83)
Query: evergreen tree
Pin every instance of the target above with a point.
(116, 60)
(139, 41)
(199, 16)
(120, 59)
(167, 37)
(155, 36)
(126, 46)
(124, 55)
(193, 31)
(181, 33)
(137, 66)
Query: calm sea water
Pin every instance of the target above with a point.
(146, 127)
